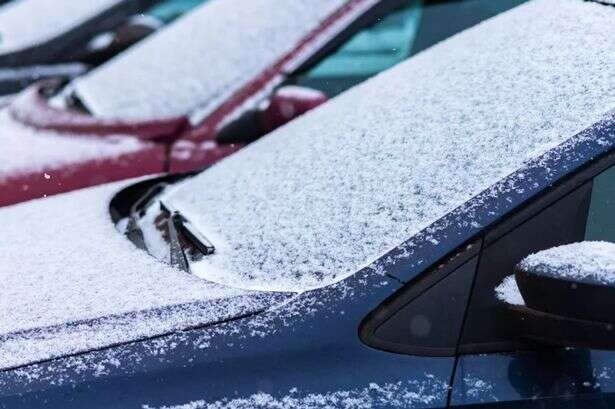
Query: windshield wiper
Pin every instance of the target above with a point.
(180, 227)
(137, 210)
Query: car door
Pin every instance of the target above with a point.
(496, 367)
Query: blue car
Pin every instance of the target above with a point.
(440, 235)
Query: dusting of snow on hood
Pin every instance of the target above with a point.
(202, 58)
(508, 291)
(331, 192)
(26, 149)
(587, 260)
(28, 23)
(410, 394)
(71, 283)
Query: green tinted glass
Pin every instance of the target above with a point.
(412, 27)
(169, 10)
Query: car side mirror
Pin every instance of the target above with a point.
(566, 295)
(283, 105)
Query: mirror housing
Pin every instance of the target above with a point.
(567, 295)
(282, 106)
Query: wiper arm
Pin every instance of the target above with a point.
(137, 210)
(179, 225)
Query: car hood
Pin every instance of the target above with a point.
(72, 283)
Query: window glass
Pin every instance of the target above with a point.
(416, 25)
(169, 10)
(601, 219)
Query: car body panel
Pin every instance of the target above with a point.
(530, 379)
(272, 353)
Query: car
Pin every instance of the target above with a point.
(110, 132)
(95, 43)
(364, 265)
(38, 32)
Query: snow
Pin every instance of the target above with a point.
(69, 70)
(585, 261)
(410, 394)
(508, 291)
(198, 61)
(28, 23)
(331, 192)
(26, 150)
(70, 282)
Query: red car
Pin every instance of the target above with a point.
(188, 96)
(158, 106)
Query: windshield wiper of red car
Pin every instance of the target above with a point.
(181, 229)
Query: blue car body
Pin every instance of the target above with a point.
(323, 340)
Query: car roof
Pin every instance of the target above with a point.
(201, 59)
(336, 190)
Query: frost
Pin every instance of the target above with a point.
(335, 190)
(508, 292)
(588, 260)
(197, 62)
(28, 23)
(71, 283)
(389, 395)
(478, 389)
(26, 150)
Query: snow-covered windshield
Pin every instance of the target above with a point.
(27, 23)
(331, 192)
(202, 58)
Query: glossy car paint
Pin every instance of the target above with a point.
(316, 347)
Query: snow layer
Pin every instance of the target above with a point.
(202, 58)
(331, 192)
(70, 282)
(411, 394)
(587, 260)
(508, 291)
(27, 23)
(26, 150)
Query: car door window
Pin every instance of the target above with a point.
(505, 367)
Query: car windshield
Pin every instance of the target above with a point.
(402, 33)
(197, 62)
(333, 191)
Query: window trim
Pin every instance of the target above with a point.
(441, 269)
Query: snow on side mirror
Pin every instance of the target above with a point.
(285, 104)
(576, 280)
(565, 295)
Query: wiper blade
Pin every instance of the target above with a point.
(137, 210)
(180, 225)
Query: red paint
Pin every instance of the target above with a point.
(194, 148)
(287, 104)
(188, 156)
(207, 128)
(31, 108)
(32, 185)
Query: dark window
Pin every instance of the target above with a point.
(406, 30)
(601, 220)
(452, 308)
(425, 317)
(579, 209)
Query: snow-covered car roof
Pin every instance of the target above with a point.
(202, 58)
(27, 23)
(333, 191)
